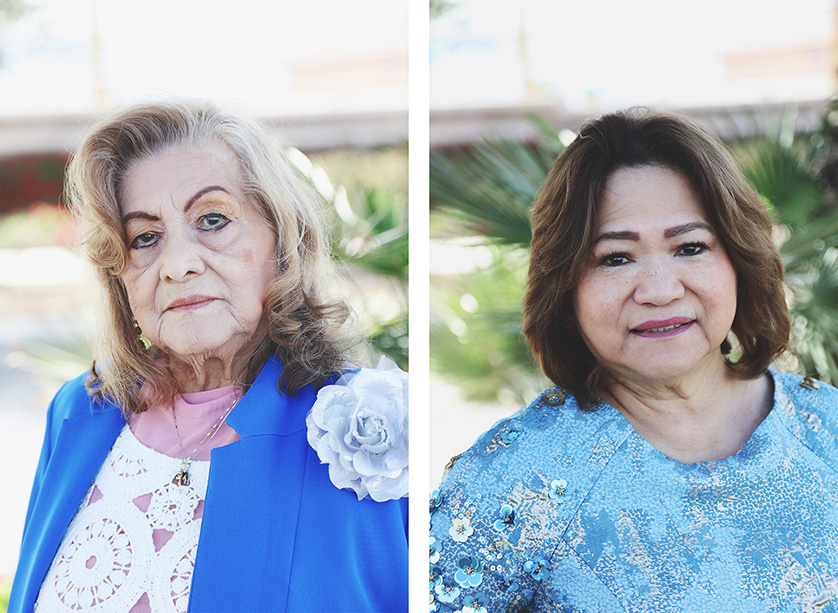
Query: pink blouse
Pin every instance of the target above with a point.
(196, 414)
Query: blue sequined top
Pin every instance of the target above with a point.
(556, 509)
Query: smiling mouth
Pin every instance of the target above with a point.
(663, 328)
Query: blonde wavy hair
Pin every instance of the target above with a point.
(305, 328)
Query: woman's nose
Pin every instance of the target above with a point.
(658, 284)
(181, 257)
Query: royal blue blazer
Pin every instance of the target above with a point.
(276, 534)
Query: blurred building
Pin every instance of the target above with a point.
(343, 85)
(805, 68)
(737, 73)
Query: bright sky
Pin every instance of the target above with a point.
(233, 51)
(642, 51)
(581, 51)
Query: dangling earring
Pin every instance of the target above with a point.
(141, 337)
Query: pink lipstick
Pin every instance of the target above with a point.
(663, 328)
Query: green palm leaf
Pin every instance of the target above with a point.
(488, 188)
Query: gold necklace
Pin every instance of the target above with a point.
(182, 477)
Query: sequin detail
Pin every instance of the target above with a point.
(809, 383)
(553, 397)
(581, 513)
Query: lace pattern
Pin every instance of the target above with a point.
(131, 545)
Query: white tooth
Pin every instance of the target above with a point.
(664, 329)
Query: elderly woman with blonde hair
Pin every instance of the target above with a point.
(221, 454)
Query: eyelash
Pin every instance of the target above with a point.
(702, 247)
(151, 236)
(218, 226)
(697, 248)
(136, 240)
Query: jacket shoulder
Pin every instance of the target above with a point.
(809, 409)
(71, 399)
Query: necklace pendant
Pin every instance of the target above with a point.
(182, 477)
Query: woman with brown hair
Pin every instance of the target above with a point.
(670, 469)
(187, 469)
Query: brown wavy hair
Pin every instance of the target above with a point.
(305, 328)
(564, 220)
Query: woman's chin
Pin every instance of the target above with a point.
(200, 346)
(664, 369)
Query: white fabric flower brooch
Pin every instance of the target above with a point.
(358, 426)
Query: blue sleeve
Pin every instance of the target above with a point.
(811, 414)
(499, 518)
(72, 396)
(50, 434)
(475, 548)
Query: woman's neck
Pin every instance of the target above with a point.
(197, 373)
(707, 415)
(220, 367)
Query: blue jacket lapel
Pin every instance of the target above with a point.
(255, 485)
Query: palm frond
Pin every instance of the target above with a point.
(776, 173)
(475, 330)
(489, 187)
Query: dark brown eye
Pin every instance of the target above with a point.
(614, 259)
(692, 248)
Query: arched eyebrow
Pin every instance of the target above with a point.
(189, 203)
(626, 235)
(687, 227)
(201, 192)
(139, 215)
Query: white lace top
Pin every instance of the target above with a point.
(131, 545)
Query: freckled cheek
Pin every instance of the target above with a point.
(587, 304)
(255, 263)
(599, 310)
(252, 273)
(602, 294)
(262, 257)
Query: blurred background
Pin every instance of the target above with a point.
(330, 77)
(511, 82)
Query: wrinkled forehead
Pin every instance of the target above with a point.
(177, 173)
